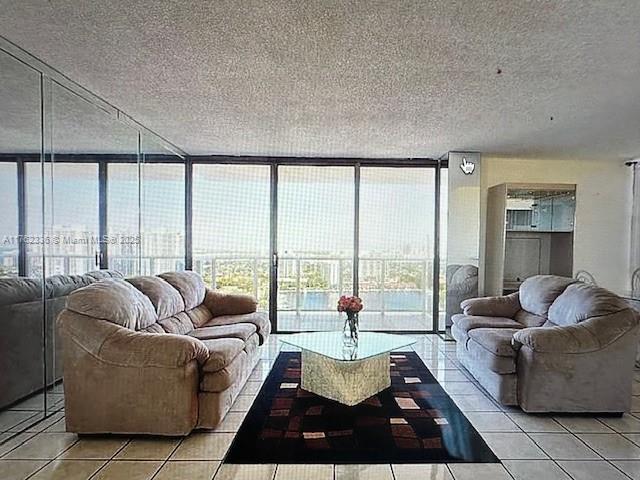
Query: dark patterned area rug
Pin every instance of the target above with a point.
(413, 421)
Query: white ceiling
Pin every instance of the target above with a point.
(370, 79)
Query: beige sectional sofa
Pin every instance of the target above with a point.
(156, 355)
(556, 345)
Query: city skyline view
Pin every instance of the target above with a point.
(231, 223)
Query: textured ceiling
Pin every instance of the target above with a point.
(373, 79)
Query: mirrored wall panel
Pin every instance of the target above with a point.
(162, 209)
(74, 209)
(22, 312)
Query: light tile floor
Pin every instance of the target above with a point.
(531, 447)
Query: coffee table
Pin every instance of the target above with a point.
(346, 374)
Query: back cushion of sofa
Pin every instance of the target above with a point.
(200, 315)
(180, 324)
(63, 285)
(97, 275)
(116, 301)
(581, 301)
(166, 299)
(539, 292)
(189, 284)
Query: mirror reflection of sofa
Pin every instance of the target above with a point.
(21, 321)
(462, 283)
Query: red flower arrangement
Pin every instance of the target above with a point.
(350, 305)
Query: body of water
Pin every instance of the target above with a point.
(394, 300)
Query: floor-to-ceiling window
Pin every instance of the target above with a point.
(315, 244)
(123, 217)
(162, 218)
(328, 221)
(74, 220)
(231, 228)
(71, 214)
(396, 247)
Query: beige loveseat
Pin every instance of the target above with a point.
(556, 345)
(156, 355)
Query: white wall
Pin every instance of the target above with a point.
(603, 209)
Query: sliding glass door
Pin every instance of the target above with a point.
(396, 247)
(366, 230)
(315, 244)
(231, 228)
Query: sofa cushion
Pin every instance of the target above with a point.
(166, 299)
(225, 377)
(581, 301)
(252, 343)
(469, 322)
(239, 330)
(190, 286)
(222, 351)
(259, 319)
(154, 328)
(459, 335)
(97, 275)
(116, 301)
(497, 341)
(63, 285)
(505, 306)
(222, 303)
(539, 292)
(529, 319)
(496, 353)
(483, 359)
(199, 315)
(179, 324)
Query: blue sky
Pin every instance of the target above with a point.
(231, 205)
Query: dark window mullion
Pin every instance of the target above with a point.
(356, 231)
(188, 217)
(435, 321)
(103, 248)
(22, 219)
(273, 249)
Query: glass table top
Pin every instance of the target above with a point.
(330, 344)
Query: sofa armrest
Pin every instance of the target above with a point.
(221, 303)
(136, 349)
(505, 306)
(590, 335)
(116, 345)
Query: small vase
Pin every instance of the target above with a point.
(350, 329)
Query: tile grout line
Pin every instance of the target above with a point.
(106, 462)
(50, 461)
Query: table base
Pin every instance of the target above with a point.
(347, 382)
